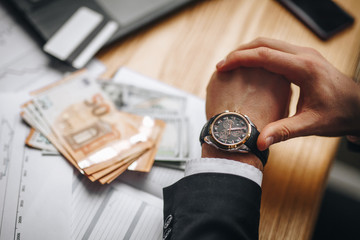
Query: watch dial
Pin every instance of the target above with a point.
(230, 129)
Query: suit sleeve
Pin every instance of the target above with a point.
(212, 206)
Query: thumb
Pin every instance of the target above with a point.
(284, 129)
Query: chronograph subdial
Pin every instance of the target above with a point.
(228, 123)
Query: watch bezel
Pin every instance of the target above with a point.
(236, 146)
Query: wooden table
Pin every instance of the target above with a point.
(182, 50)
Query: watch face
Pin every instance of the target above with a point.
(230, 129)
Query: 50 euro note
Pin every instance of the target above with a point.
(87, 129)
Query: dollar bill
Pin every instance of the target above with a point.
(35, 139)
(174, 145)
(144, 101)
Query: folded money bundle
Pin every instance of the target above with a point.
(87, 129)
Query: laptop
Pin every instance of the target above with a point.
(74, 30)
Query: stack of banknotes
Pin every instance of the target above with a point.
(173, 150)
(83, 124)
(174, 145)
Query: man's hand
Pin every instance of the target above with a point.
(262, 96)
(329, 103)
(255, 92)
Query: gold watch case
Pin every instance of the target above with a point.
(239, 146)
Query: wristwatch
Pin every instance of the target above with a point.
(233, 132)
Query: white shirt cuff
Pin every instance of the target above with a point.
(220, 165)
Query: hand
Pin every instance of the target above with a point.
(262, 96)
(329, 102)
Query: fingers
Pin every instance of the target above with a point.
(284, 129)
(272, 44)
(289, 65)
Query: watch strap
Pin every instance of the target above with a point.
(252, 144)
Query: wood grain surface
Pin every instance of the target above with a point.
(183, 49)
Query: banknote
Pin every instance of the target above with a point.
(170, 146)
(80, 117)
(141, 100)
(174, 145)
(32, 116)
(37, 140)
(84, 125)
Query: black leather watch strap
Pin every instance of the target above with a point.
(252, 144)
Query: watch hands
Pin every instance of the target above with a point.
(230, 128)
(235, 129)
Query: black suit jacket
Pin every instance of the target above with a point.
(212, 206)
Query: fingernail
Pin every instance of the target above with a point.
(220, 64)
(269, 141)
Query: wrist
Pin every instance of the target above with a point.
(248, 158)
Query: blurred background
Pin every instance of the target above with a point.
(340, 208)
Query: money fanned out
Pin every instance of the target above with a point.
(84, 125)
(174, 146)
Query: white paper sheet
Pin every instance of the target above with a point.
(35, 191)
(115, 211)
(152, 182)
